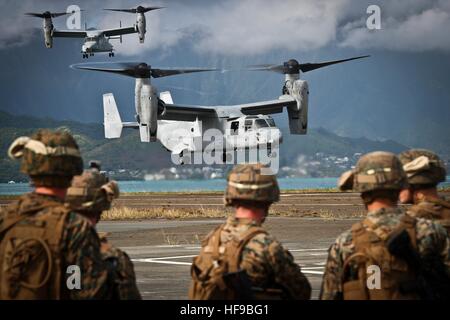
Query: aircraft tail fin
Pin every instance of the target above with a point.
(111, 117)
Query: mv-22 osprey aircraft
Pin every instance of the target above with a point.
(94, 40)
(178, 127)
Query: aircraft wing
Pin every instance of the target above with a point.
(118, 31)
(191, 113)
(69, 34)
(268, 107)
(187, 113)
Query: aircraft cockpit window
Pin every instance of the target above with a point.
(271, 122)
(234, 127)
(261, 123)
(248, 125)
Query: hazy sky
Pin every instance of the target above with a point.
(242, 27)
(406, 76)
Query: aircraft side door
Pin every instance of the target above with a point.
(236, 130)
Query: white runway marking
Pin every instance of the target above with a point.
(176, 257)
(162, 261)
(302, 250)
(313, 268)
(312, 272)
(145, 204)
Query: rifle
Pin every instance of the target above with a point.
(432, 283)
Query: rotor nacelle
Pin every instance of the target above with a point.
(141, 25)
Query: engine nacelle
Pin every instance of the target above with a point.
(298, 115)
(148, 116)
(48, 32)
(141, 26)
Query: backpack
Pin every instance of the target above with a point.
(30, 258)
(397, 277)
(215, 272)
(436, 210)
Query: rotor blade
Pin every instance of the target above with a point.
(266, 67)
(49, 14)
(122, 68)
(123, 10)
(54, 15)
(38, 15)
(305, 67)
(159, 73)
(147, 9)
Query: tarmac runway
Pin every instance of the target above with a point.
(162, 250)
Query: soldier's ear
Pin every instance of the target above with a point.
(111, 190)
(15, 151)
(345, 182)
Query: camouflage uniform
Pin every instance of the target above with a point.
(374, 172)
(266, 262)
(125, 287)
(270, 269)
(430, 240)
(40, 238)
(89, 195)
(425, 170)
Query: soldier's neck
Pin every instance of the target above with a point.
(381, 204)
(54, 192)
(256, 214)
(423, 194)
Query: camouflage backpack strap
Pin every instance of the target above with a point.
(409, 223)
(209, 255)
(354, 284)
(426, 209)
(234, 251)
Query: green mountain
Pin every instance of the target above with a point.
(129, 154)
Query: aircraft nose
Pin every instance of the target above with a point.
(275, 136)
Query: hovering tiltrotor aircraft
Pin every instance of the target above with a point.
(94, 40)
(243, 126)
(140, 18)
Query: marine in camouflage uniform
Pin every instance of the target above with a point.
(40, 239)
(425, 170)
(378, 176)
(90, 194)
(269, 267)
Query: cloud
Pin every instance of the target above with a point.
(423, 31)
(252, 27)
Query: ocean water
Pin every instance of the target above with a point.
(194, 185)
(187, 185)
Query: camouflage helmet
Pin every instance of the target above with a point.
(50, 158)
(251, 182)
(374, 171)
(91, 192)
(423, 167)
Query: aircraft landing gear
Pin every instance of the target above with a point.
(85, 56)
(111, 54)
